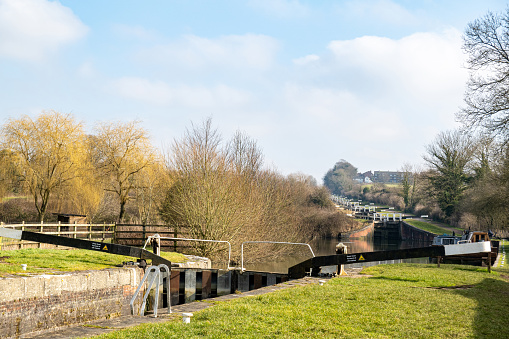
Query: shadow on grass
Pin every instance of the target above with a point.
(395, 279)
(492, 313)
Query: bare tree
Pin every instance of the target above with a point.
(151, 186)
(223, 193)
(203, 197)
(486, 41)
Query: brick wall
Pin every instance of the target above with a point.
(48, 302)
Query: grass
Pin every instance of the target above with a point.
(60, 260)
(391, 185)
(398, 301)
(426, 226)
(5, 199)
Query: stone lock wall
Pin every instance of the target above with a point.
(409, 232)
(48, 302)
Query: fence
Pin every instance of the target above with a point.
(123, 234)
(97, 232)
(135, 235)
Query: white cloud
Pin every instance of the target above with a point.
(248, 51)
(280, 8)
(376, 101)
(341, 112)
(306, 60)
(422, 66)
(32, 29)
(160, 93)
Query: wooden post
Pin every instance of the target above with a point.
(174, 241)
(489, 262)
(74, 235)
(39, 245)
(143, 227)
(90, 232)
(58, 231)
(438, 261)
(21, 242)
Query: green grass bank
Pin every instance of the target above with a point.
(395, 301)
(432, 227)
(49, 261)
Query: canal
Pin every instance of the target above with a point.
(324, 246)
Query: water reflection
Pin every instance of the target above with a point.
(328, 247)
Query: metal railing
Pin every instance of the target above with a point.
(384, 216)
(157, 236)
(268, 242)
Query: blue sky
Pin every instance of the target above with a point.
(312, 82)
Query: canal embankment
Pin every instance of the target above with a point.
(33, 302)
(395, 301)
(128, 321)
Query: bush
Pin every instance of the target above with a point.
(17, 210)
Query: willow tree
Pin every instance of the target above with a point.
(84, 194)
(120, 152)
(50, 152)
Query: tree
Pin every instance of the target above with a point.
(488, 193)
(406, 184)
(340, 178)
(448, 157)
(205, 196)
(150, 189)
(486, 42)
(121, 151)
(9, 176)
(50, 153)
(223, 193)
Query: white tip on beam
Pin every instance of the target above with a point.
(475, 247)
(10, 233)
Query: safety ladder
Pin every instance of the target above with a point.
(155, 278)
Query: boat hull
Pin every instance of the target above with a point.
(476, 259)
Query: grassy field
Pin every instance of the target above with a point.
(397, 301)
(60, 260)
(426, 226)
(391, 185)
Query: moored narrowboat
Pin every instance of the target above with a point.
(477, 259)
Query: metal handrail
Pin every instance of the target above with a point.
(188, 239)
(268, 242)
(387, 216)
(156, 278)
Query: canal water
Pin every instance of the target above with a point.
(324, 246)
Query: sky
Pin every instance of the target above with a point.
(312, 82)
